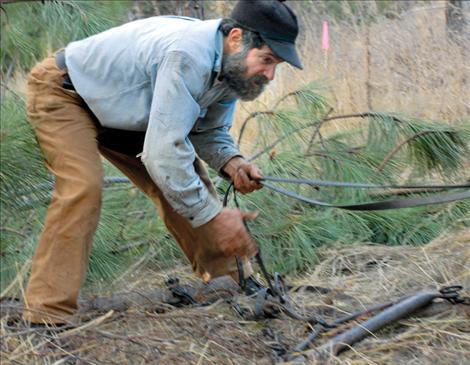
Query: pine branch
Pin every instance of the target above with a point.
(305, 93)
(293, 93)
(313, 124)
(317, 130)
(31, 24)
(399, 146)
(251, 116)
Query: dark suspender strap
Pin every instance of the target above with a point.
(383, 205)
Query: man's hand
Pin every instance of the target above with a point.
(229, 233)
(243, 174)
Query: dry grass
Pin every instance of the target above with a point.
(406, 64)
(358, 276)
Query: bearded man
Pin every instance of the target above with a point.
(154, 97)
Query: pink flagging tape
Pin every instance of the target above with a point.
(325, 41)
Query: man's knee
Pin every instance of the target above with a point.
(81, 187)
(92, 186)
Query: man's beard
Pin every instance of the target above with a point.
(233, 69)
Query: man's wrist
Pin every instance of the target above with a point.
(232, 165)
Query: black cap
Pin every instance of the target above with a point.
(275, 22)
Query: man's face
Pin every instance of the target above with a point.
(248, 71)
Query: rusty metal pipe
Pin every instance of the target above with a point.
(315, 333)
(397, 311)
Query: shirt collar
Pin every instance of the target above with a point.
(217, 69)
(219, 52)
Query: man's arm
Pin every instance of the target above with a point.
(168, 153)
(169, 156)
(215, 145)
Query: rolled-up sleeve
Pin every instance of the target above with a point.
(168, 153)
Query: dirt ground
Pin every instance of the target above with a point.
(347, 280)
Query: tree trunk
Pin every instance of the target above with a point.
(455, 20)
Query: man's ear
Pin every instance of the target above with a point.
(234, 40)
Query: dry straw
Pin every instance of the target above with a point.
(357, 276)
(405, 62)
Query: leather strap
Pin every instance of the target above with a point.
(313, 182)
(60, 59)
(383, 205)
(60, 62)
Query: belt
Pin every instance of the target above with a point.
(60, 62)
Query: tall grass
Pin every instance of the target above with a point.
(400, 60)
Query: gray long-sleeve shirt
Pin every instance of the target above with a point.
(159, 75)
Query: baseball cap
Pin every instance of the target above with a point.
(275, 22)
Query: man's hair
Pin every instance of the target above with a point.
(250, 39)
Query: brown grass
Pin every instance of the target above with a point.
(358, 276)
(407, 64)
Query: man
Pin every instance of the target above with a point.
(153, 97)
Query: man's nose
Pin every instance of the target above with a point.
(269, 73)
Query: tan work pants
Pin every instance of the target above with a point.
(67, 135)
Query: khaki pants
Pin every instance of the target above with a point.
(67, 134)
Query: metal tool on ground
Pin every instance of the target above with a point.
(392, 313)
(276, 292)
